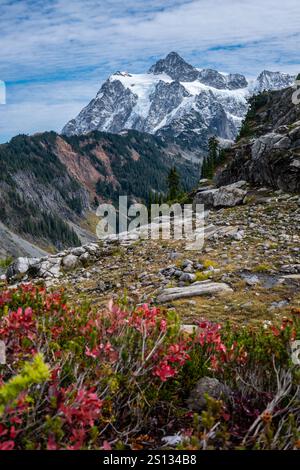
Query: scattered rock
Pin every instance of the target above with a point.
(189, 329)
(188, 269)
(20, 267)
(187, 277)
(70, 262)
(251, 280)
(210, 386)
(291, 268)
(186, 263)
(280, 304)
(238, 235)
(195, 289)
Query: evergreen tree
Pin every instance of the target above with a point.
(173, 181)
(212, 159)
(213, 151)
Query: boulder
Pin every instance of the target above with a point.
(225, 196)
(70, 262)
(210, 386)
(20, 267)
(187, 277)
(194, 290)
(78, 251)
(290, 268)
(85, 258)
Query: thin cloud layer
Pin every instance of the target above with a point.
(55, 54)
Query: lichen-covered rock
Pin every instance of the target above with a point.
(70, 262)
(194, 290)
(210, 386)
(53, 267)
(20, 267)
(225, 196)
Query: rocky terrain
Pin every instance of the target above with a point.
(248, 270)
(176, 101)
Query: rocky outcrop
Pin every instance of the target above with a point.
(194, 290)
(225, 196)
(53, 267)
(19, 268)
(270, 155)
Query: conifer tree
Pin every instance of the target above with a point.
(173, 181)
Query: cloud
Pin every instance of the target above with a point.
(2, 92)
(71, 46)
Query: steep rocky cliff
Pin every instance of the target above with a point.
(268, 150)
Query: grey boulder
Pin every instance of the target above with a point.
(225, 196)
(70, 262)
(194, 290)
(20, 267)
(207, 386)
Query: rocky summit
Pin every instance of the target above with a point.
(175, 100)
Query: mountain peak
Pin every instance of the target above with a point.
(176, 67)
(174, 56)
(268, 80)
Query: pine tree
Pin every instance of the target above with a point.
(213, 149)
(173, 181)
(212, 159)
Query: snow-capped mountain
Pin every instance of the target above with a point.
(273, 81)
(174, 100)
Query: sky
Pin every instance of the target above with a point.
(56, 54)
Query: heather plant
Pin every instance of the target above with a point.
(80, 378)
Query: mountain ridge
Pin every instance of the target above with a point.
(50, 185)
(174, 100)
